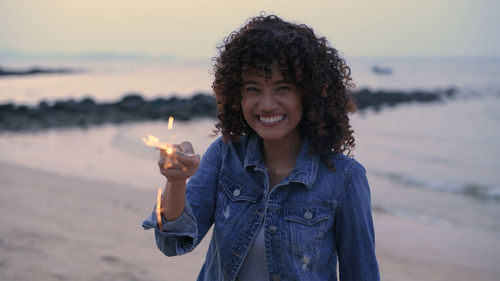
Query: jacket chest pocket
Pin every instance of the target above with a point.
(238, 190)
(233, 196)
(307, 224)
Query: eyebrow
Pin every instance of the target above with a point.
(282, 81)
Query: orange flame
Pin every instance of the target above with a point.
(155, 142)
(158, 208)
(169, 150)
(170, 122)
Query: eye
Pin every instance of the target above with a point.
(283, 88)
(251, 89)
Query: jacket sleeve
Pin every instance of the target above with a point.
(354, 233)
(183, 234)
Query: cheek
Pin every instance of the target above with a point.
(297, 108)
(245, 109)
(246, 116)
(298, 118)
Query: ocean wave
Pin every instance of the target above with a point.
(132, 145)
(411, 215)
(476, 190)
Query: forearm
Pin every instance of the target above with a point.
(173, 200)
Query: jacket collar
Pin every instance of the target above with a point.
(304, 171)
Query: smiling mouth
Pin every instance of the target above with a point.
(271, 119)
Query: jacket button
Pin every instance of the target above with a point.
(308, 215)
(236, 192)
(273, 229)
(276, 277)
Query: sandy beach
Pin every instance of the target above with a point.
(58, 227)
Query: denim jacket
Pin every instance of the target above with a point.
(311, 218)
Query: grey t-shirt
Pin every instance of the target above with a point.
(254, 267)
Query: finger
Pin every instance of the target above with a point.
(173, 154)
(171, 165)
(186, 147)
(188, 160)
(182, 158)
(195, 160)
(175, 174)
(172, 168)
(169, 161)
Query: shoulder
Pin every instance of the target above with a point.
(215, 147)
(348, 172)
(355, 180)
(347, 165)
(352, 174)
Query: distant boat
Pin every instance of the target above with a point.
(377, 69)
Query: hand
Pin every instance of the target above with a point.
(181, 164)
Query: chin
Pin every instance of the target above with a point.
(271, 137)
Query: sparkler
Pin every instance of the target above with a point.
(171, 160)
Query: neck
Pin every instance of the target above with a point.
(280, 156)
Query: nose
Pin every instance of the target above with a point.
(267, 101)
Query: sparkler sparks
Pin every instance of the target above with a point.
(170, 122)
(158, 208)
(155, 142)
(172, 153)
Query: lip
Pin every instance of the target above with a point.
(271, 120)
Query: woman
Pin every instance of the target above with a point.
(284, 200)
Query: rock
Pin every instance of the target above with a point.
(366, 98)
(133, 107)
(36, 71)
(131, 102)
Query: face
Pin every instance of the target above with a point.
(272, 107)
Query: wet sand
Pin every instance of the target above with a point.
(58, 227)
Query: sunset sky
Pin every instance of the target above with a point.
(192, 29)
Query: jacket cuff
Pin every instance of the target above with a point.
(184, 225)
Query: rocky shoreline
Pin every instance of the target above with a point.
(377, 99)
(133, 107)
(37, 71)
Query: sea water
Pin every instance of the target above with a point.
(436, 162)
(106, 80)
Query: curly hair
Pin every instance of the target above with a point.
(306, 60)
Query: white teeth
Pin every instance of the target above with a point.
(271, 119)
